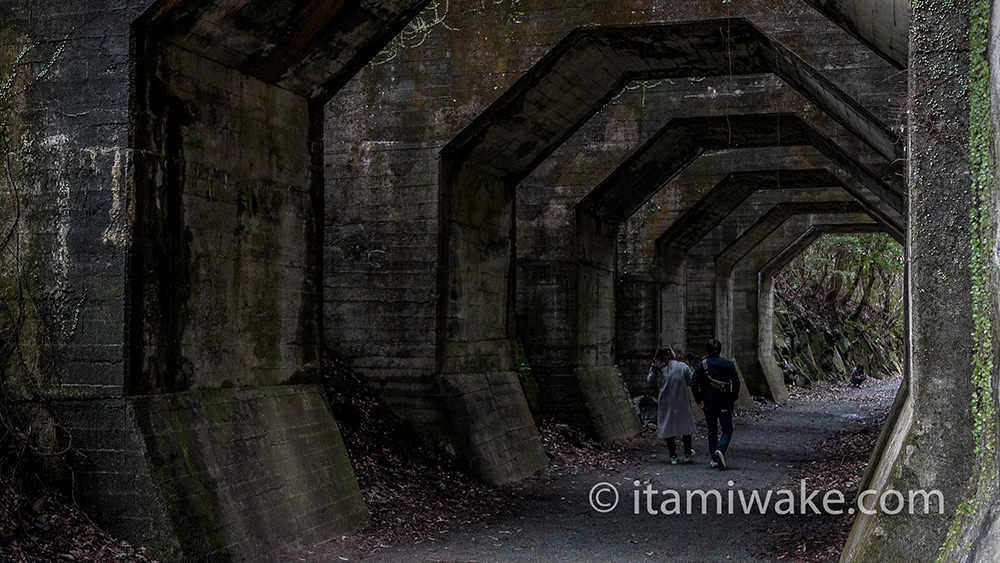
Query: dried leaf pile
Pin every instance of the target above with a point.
(414, 492)
(844, 457)
(571, 451)
(37, 524)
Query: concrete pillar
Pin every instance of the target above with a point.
(172, 232)
(946, 439)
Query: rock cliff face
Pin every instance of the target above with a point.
(811, 347)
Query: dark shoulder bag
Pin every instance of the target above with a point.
(717, 384)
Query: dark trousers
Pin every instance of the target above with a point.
(672, 445)
(713, 419)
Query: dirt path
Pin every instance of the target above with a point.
(553, 519)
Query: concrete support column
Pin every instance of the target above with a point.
(947, 432)
(594, 359)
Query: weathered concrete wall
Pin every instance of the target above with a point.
(639, 329)
(947, 440)
(65, 172)
(170, 246)
(226, 294)
(226, 260)
(216, 474)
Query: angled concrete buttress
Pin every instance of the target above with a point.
(945, 442)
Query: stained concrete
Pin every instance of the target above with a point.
(409, 268)
(882, 24)
(221, 474)
(168, 243)
(936, 446)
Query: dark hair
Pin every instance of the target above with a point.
(665, 355)
(713, 347)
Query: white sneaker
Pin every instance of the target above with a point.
(687, 457)
(719, 459)
(673, 460)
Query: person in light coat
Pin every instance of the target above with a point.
(674, 417)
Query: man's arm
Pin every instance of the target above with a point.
(735, 378)
(696, 385)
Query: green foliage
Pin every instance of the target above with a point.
(839, 304)
(873, 252)
(981, 231)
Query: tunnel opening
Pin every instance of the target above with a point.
(845, 287)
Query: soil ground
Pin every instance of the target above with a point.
(823, 435)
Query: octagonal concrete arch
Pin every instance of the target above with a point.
(688, 306)
(674, 243)
(481, 166)
(589, 373)
(674, 147)
(567, 361)
(681, 140)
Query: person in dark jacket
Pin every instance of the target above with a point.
(716, 388)
(858, 376)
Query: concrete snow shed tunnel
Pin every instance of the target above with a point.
(236, 186)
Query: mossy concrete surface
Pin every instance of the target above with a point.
(228, 474)
(492, 428)
(941, 445)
